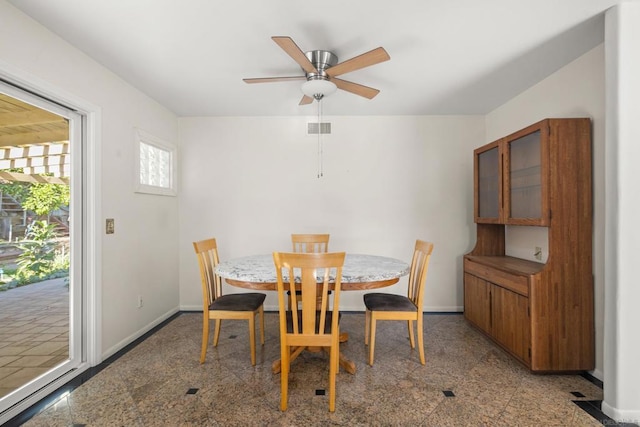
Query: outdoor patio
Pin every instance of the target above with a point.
(34, 331)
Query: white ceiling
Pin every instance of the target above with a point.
(447, 56)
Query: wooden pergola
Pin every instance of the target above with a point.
(35, 140)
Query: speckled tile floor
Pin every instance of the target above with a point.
(160, 382)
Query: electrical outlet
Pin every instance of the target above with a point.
(538, 253)
(140, 302)
(110, 226)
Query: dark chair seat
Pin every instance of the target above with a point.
(238, 302)
(388, 302)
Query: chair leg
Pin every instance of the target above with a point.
(205, 337)
(420, 338)
(372, 339)
(284, 376)
(367, 322)
(252, 338)
(338, 352)
(333, 370)
(216, 333)
(411, 340)
(261, 320)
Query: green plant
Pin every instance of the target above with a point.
(18, 190)
(41, 198)
(44, 198)
(38, 257)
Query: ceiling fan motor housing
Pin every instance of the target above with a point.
(322, 60)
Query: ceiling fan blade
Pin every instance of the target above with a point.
(372, 57)
(288, 45)
(273, 79)
(355, 88)
(306, 100)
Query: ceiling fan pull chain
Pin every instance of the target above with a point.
(321, 158)
(319, 142)
(320, 137)
(318, 156)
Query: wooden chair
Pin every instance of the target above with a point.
(217, 306)
(314, 325)
(308, 243)
(381, 306)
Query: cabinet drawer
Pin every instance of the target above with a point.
(513, 282)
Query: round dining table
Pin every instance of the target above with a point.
(359, 272)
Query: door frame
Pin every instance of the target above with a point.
(91, 237)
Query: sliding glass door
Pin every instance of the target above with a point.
(41, 286)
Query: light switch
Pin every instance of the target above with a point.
(111, 227)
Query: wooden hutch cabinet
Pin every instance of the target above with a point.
(541, 313)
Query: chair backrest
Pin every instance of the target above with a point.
(418, 273)
(315, 274)
(310, 243)
(207, 252)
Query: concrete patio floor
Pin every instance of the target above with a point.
(34, 331)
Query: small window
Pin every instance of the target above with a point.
(156, 165)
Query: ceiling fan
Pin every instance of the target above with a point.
(321, 69)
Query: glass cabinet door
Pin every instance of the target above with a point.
(526, 194)
(488, 184)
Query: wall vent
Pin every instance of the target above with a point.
(315, 128)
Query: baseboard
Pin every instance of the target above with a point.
(596, 373)
(439, 309)
(131, 338)
(349, 309)
(620, 415)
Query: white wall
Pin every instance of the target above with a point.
(576, 90)
(251, 182)
(141, 257)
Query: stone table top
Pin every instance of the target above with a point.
(358, 268)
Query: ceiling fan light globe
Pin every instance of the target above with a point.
(322, 87)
